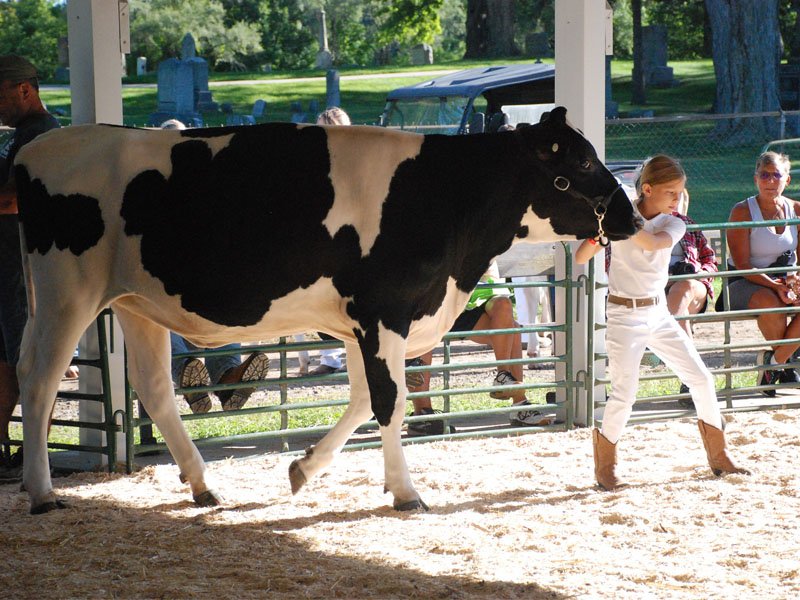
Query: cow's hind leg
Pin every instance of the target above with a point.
(149, 372)
(320, 456)
(47, 346)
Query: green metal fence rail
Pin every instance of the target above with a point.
(111, 423)
(286, 386)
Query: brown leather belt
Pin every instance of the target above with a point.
(632, 302)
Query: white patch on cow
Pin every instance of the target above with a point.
(362, 167)
(428, 331)
(540, 229)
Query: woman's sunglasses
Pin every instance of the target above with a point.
(766, 175)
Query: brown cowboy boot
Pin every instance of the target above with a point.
(718, 459)
(605, 459)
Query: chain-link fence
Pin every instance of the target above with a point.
(717, 151)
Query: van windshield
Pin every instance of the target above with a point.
(426, 115)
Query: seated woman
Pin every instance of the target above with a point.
(761, 247)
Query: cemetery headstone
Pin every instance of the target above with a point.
(537, 45)
(259, 109)
(422, 54)
(324, 56)
(183, 87)
(654, 55)
(332, 95)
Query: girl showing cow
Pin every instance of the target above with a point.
(638, 317)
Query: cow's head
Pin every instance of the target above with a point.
(576, 193)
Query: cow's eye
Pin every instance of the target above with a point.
(586, 164)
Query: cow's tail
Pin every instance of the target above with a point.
(26, 273)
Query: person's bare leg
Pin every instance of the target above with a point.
(685, 298)
(772, 326)
(425, 401)
(499, 315)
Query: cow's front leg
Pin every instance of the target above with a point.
(384, 363)
(320, 456)
(149, 371)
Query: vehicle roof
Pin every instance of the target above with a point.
(473, 82)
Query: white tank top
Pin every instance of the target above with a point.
(766, 245)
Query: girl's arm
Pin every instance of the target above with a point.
(652, 241)
(587, 250)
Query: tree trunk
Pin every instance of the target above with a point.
(638, 95)
(490, 29)
(745, 42)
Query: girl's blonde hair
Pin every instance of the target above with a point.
(333, 116)
(775, 159)
(659, 169)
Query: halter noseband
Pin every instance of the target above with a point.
(599, 204)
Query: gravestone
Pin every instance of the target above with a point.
(297, 114)
(537, 45)
(422, 54)
(654, 56)
(332, 95)
(259, 109)
(324, 56)
(183, 87)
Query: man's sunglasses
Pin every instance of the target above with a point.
(766, 175)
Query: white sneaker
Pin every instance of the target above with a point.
(503, 378)
(531, 417)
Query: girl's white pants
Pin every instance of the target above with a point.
(630, 331)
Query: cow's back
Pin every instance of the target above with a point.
(222, 222)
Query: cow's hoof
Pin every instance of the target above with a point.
(296, 476)
(417, 504)
(46, 507)
(207, 498)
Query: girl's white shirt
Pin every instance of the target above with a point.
(637, 273)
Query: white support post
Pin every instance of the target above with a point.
(580, 49)
(94, 29)
(95, 70)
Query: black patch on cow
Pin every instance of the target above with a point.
(72, 222)
(439, 221)
(382, 389)
(523, 232)
(230, 233)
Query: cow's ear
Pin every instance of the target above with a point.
(558, 116)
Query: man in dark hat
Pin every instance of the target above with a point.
(21, 108)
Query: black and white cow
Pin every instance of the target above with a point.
(374, 236)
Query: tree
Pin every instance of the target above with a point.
(158, 26)
(746, 52)
(287, 34)
(490, 29)
(411, 21)
(31, 28)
